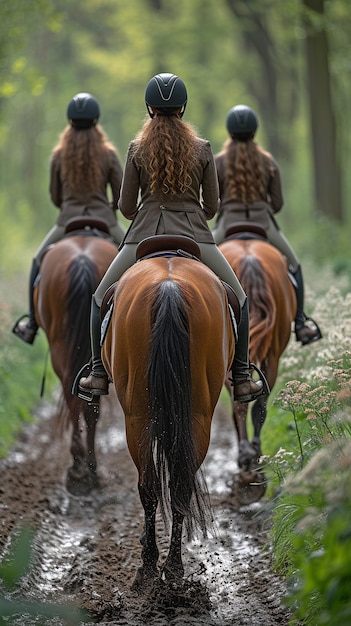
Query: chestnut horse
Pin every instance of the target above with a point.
(168, 348)
(263, 273)
(69, 274)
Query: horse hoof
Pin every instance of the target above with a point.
(247, 455)
(81, 485)
(173, 574)
(250, 487)
(144, 578)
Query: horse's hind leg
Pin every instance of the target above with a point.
(149, 552)
(246, 452)
(76, 474)
(258, 415)
(81, 476)
(259, 409)
(173, 569)
(91, 415)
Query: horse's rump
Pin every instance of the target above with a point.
(69, 274)
(126, 348)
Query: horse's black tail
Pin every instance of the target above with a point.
(83, 280)
(172, 450)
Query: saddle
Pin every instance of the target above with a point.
(83, 226)
(86, 225)
(246, 230)
(155, 246)
(167, 245)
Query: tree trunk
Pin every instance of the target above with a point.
(258, 38)
(327, 175)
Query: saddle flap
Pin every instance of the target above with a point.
(165, 243)
(107, 300)
(234, 308)
(246, 230)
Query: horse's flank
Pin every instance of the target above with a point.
(263, 273)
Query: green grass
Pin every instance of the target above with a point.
(22, 368)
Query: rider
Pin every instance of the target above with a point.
(170, 166)
(250, 190)
(83, 163)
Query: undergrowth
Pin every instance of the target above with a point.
(307, 437)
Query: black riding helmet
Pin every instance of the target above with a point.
(167, 94)
(242, 122)
(83, 110)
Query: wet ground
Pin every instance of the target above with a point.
(86, 550)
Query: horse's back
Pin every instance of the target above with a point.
(58, 258)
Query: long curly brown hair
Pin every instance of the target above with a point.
(245, 169)
(81, 152)
(166, 147)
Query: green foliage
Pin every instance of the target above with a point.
(312, 535)
(310, 475)
(21, 374)
(18, 20)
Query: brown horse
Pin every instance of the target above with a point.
(263, 273)
(168, 349)
(69, 274)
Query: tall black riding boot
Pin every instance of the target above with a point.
(26, 330)
(96, 384)
(245, 389)
(304, 333)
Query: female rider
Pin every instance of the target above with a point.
(250, 190)
(83, 163)
(170, 166)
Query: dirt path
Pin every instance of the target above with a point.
(86, 550)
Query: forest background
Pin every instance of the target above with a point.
(290, 61)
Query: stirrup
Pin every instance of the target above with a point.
(28, 334)
(314, 327)
(78, 392)
(85, 394)
(89, 396)
(265, 386)
(264, 390)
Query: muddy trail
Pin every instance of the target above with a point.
(86, 551)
